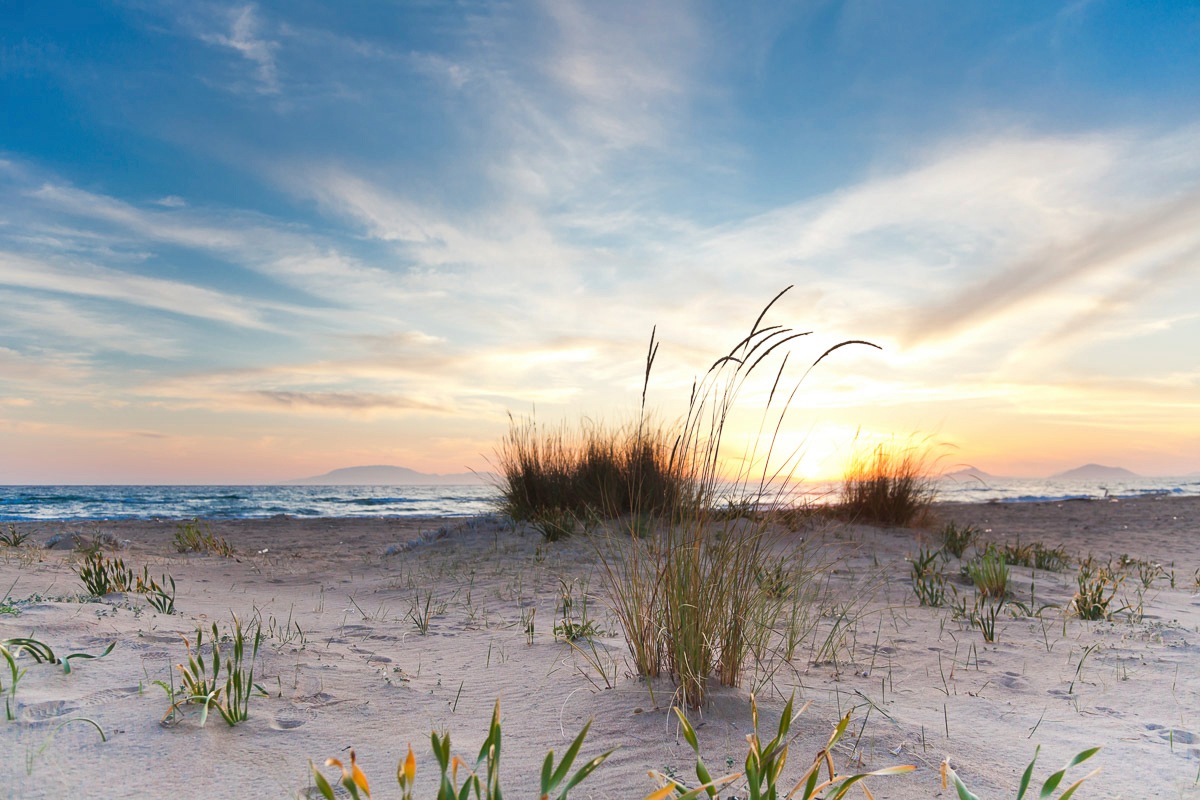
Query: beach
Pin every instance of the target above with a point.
(379, 631)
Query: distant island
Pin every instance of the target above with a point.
(1095, 472)
(970, 474)
(383, 475)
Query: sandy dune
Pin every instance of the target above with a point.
(345, 664)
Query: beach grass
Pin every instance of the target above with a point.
(693, 530)
(889, 484)
(552, 475)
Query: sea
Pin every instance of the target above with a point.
(18, 503)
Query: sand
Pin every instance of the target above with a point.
(345, 664)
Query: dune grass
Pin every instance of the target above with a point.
(889, 484)
(546, 473)
(683, 571)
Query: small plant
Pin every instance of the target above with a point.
(572, 627)
(1051, 559)
(775, 581)
(158, 596)
(424, 610)
(286, 633)
(989, 573)
(94, 544)
(1147, 571)
(929, 582)
(195, 537)
(1033, 608)
(1017, 554)
(102, 575)
(1048, 787)
(483, 780)
(555, 524)
(7, 606)
(1098, 586)
(764, 763)
(527, 624)
(202, 686)
(31, 756)
(15, 675)
(985, 615)
(41, 653)
(956, 540)
(13, 537)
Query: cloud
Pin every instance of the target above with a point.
(342, 401)
(243, 38)
(69, 323)
(88, 280)
(56, 219)
(1146, 249)
(621, 66)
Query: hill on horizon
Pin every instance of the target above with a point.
(1090, 472)
(969, 473)
(386, 475)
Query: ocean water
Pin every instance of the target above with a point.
(1027, 490)
(251, 502)
(241, 502)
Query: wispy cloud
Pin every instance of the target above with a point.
(341, 401)
(623, 67)
(243, 36)
(89, 280)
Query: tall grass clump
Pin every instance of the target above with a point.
(548, 473)
(690, 598)
(889, 484)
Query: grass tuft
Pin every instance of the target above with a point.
(889, 485)
(989, 572)
(194, 536)
(956, 540)
(553, 478)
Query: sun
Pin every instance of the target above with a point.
(817, 454)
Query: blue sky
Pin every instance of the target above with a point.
(248, 242)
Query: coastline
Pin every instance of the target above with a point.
(356, 670)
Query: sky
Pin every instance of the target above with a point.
(248, 242)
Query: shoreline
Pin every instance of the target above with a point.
(345, 663)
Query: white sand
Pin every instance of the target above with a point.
(363, 675)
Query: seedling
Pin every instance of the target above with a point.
(956, 540)
(481, 782)
(1048, 787)
(929, 582)
(764, 763)
(202, 686)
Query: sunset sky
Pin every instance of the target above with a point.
(243, 243)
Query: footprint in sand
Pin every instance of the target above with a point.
(292, 718)
(52, 709)
(1175, 736)
(370, 656)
